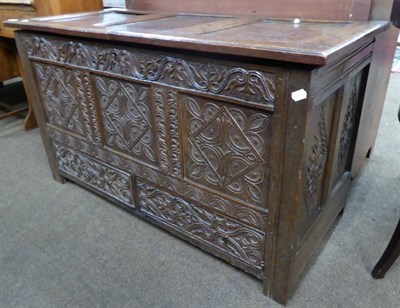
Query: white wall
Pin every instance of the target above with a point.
(114, 3)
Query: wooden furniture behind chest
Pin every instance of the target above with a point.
(237, 134)
(23, 9)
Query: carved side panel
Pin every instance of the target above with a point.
(106, 179)
(349, 123)
(210, 228)
(226, 148)
(239, 83)
(316, 160)
(315, 166)
(59, 93)
(127, 118)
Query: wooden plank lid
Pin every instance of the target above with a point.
(305, 42)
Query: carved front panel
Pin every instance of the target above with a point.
(106, 179)
(60, 98)
(214, 230)
(227, 148)
(239, 83)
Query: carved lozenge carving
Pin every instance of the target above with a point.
(228, 236)
(59, 97)
(226, 148)
(126, 117)
(235, 82)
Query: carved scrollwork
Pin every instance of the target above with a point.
(87, 104)
(126, 117)
(226, 148)
(228, 236)
(348, 126)
(315, 165)
(225, 206)
(59, 97)
(109, 180)
(235, 82)
(168, 131)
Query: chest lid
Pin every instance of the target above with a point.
(305, 42)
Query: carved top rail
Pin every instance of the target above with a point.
(315, 43)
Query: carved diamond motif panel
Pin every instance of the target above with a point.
(59, 97)
(127, 118)
(227, 148)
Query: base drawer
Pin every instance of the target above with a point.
(223, 237)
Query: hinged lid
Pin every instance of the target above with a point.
(297, 41)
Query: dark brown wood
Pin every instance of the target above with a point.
(240, 144)
(316, 43)
(312, 9)
(392, 252)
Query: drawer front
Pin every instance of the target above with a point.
(212, 232)
(102, 178)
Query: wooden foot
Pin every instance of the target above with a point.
(390, 255)
(30, 119)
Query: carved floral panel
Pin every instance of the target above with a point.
(222, 233)
(315, 166)
(349, 123)
(127, 119)
(106, 179)
(231, 81)
(60, 97)
(227, 148)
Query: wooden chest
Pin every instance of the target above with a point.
(236, 134)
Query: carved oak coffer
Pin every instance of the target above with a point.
(228, 133)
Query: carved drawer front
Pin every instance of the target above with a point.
(220, 235)
(60, 98)
(103, 178)
(227, 148)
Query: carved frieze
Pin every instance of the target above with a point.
(227, 148)
(218, 231)
(230, 208)
(59, 97)
(234, 82)
(315, 165)
(106, 179)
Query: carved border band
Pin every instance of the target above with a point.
(234, 82)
